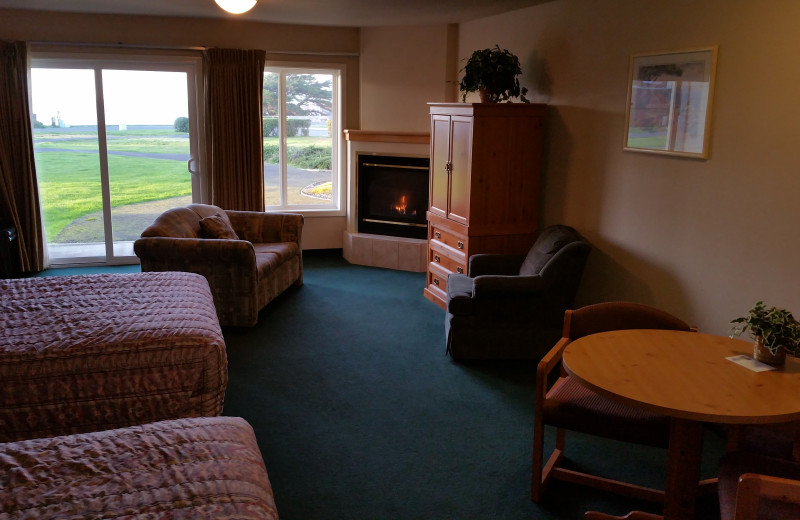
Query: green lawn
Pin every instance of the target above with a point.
(143, 144)
(655, 142)
(70, 184)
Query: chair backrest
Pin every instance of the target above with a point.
(208, 210)
(781, 440)
(549, 242)
(760, 496)
(603, 317)
(183, 222)
(175, 223)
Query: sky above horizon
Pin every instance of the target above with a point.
(131, 97)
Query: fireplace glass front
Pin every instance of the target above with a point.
(392, 195)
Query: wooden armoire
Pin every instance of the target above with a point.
(484, 184)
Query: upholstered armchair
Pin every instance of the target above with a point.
(511, 307)
(248, 257)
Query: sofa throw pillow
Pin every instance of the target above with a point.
(217, 227)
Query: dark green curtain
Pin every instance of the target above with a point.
(233, 81)
(19, 191)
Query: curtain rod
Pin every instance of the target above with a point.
(120, 45)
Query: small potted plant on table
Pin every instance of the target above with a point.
(775, 331)
(493, 73)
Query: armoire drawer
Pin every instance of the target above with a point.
(444, 261)
(437, 277)
(449, 239)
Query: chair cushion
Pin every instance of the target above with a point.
(216, 226)
(551, 240)
(271, 256)
(571, 405)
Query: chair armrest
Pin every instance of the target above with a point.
(489, 286)
(551, 360)
(197, 255)
(546, 365)
(487, 263)
(459, 286)
(259, 227)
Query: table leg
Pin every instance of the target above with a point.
(683, 468)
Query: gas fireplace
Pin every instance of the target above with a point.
(392, 195)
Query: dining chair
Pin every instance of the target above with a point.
(568, 405)
(763, 496)
(761, 477)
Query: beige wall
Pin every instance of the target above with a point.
(701, 239)
(17, 24)
(402, 69)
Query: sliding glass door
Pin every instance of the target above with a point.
(115, 142)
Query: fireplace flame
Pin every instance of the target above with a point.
(400, 207)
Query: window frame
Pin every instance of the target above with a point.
(97, 59)
(337, 207)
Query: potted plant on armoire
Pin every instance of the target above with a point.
(493, 73)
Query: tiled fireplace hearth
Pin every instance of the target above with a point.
(380, 250)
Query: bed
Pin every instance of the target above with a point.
(94, 352)
(207, 467)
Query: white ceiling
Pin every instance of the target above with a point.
(354, 13)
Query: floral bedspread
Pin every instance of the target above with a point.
(94, 352)
(207, 467)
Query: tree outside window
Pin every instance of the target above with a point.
(299, 109)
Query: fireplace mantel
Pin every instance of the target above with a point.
(387, 137)
(405, 254)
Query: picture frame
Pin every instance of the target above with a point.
(670, 96)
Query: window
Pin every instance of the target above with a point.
(114, 138)
(301, 117)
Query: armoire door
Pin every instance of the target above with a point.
(440, 159)
(460, 164)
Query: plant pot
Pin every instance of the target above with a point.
(763, 354)
(484, 94)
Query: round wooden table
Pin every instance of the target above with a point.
(686, 376)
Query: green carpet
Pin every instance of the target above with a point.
(360, 414)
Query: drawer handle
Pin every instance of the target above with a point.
(436, 258)
(460, 244)
(437, 234)
(460, 270)
(436, 282)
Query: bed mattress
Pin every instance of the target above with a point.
(95, 352)
(207, 467)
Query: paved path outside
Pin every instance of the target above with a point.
(170, 156)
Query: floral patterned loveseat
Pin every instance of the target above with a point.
(248, 257)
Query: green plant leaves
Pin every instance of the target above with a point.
(777, 327)
(495, 71)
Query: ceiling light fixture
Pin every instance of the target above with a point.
(236, 6)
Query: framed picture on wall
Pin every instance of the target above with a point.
(669, 102)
